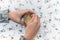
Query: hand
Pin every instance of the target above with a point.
(32, 27)
(16, 16)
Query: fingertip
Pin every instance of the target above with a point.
(32, 18)
(32, 15)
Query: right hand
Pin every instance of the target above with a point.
(32, 27)
(16, 15)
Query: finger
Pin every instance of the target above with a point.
(36, 19)
(21, 22)
(38, 25)
(29, 11)
(24, 11)
(33, 16)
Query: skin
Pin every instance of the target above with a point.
(32, 26)
(16, 15)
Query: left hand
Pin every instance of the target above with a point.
(16, 15)
(32, 27)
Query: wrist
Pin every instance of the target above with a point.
(28, 37)
(9, 15)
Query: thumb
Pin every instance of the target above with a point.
(21, 22)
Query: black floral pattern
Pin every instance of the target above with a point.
(48, 10)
